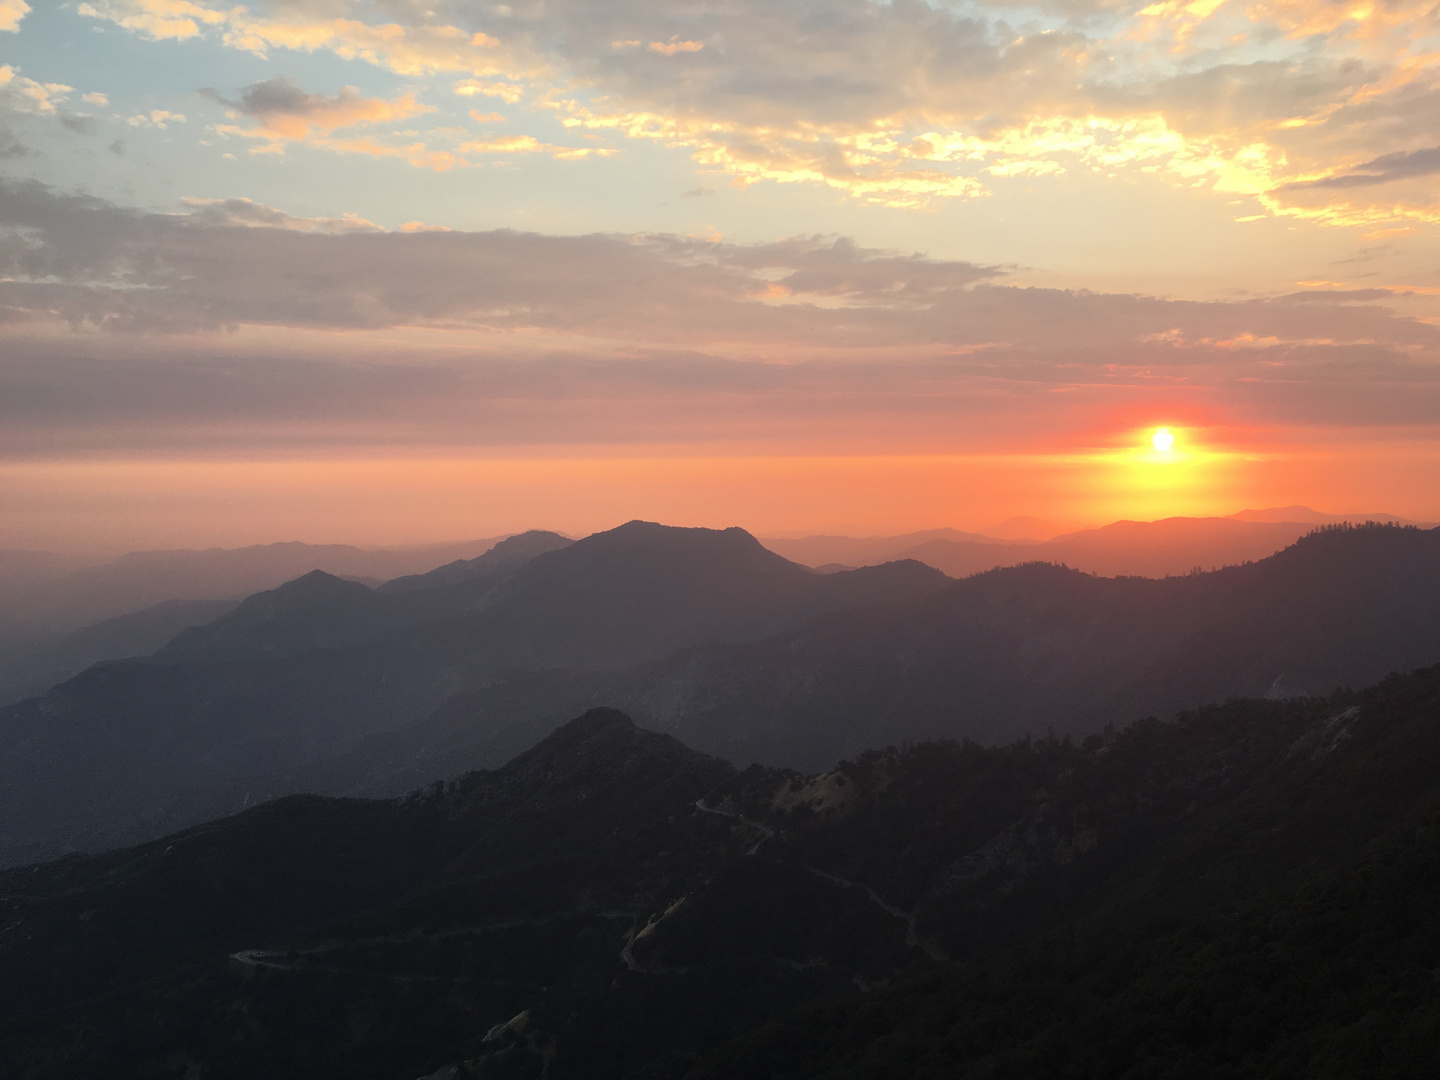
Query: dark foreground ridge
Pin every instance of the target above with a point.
(1248, 892)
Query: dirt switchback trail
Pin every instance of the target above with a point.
(700, 804)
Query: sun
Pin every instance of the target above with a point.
(1162, 440)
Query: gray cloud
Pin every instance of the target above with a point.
(229, 263)
(1382, 170)
(10, 144)
(615, 338)
(79, 123)
(285, 111)
(278, 96)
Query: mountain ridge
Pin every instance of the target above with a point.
(876, 656)
(1056, 647)
(1247, 889)
(233, 710)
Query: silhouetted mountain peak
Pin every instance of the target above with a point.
(315, 609)
(505, 557)
(599, 751)
(650, 537)
(598, 733)
(301, 596)
(661, 556)
(638, 591)
(594, 723)
(525, 545)
(318, 583)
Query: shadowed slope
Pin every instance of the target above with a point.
(296, 678)
(1246, 892)
(1037, 647)
(508, 555)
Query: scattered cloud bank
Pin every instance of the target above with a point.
(567, 338)
(23, 95)
(906, 103)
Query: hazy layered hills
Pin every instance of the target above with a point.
(325, 685)
(321, 611)
(57, 618)
(1246, 893)
(34, 663)
(1147, 548)
(299, 676)
(1033, 648)
(1039, 647)
(77, 597)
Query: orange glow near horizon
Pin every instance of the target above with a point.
(108, 506)
(623, 277)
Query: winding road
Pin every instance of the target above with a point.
(700, 804)
(912, 939)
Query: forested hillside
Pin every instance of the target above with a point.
(1247, 892)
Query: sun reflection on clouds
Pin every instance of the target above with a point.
(909, 106)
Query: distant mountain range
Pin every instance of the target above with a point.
(327, 685)
(1249, 892)
(58, 618)
(292, 678)
(1033, 648)
(1169, 546)
(44, 593)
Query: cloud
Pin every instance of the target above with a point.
(10, 144)
(528, 144)
(907, 104)
(229, 263)
(23, 95)
(285, 111)
(1382, 170)
(674, 46)
(510, 337)
(247, 214)
(79, 123)
(415, 47)
(507, 92)
(155, 118)
(416, 154)
(156, 19)
(11, 12)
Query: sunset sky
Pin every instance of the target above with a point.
(394, 272)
